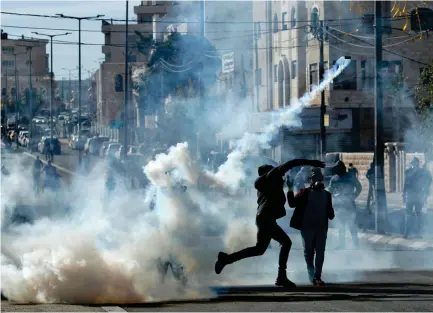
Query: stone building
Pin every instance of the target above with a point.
(291, 67)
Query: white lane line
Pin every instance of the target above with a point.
(112, 309)
(375, 238)
(45, 162)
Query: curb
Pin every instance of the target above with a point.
(392, 240)
(61, 169)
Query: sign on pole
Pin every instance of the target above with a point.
(228, 62)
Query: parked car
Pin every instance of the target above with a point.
(22, 137)
(112, 148)
(104, 148)
(96, 144)
(44, 145)
(79, 142)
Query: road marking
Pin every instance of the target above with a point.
(112, 309)
(375, 238)
(58, 167)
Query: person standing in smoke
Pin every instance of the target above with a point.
(415, 191)
(313, 208)
(301, 179)
(345, 188)
(353, 170)
(371, 183)
(37, 167)
(271, 201)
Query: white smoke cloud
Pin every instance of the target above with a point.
(105, 247)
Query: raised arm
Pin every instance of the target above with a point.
(282, 169)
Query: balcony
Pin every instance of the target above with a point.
(149, 9)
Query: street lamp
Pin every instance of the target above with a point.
(79, 18)
(16, 93)
(51, 79)
(70, 87)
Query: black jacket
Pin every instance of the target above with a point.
(299, 202)
(270, 196)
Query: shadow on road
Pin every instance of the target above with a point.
(358, 292)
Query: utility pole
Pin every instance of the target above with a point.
(256, 52)
(322, 94)
(51, 80)
(202, 35)
(270, 34)
(379, 149)
(29, 50)
(79, 69)
(70, 82)
(125, 91)
(16, 92)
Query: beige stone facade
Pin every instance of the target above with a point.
(292, 65)
(39, 65)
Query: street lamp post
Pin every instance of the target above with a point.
(79, 18)
(51, 80)
(16, 94)
(70, 86)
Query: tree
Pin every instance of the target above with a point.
(181, 64)
(424, 91)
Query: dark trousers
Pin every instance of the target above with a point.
(314, 241)
(413, 216)
(370, 196)
(265, 232)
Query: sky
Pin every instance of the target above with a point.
(65, 55)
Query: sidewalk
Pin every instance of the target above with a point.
(394, 201)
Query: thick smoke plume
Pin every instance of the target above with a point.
(94, 247)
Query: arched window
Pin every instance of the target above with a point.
(424, 16)
(293, 18)
(118, 83)
(314, 18)
(275, 23)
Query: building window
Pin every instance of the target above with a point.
(132, 58)
(153, 2)
(258, 29)
(314, 18)
(294, 69)
(293, 18)
(108, 57)
(258, 77)
(275, 73)
(118, 83)
(8, 50)
(276, 28)
(284, 21)
(8, 63)
(421, 19)
(314, 75)
(347, 79)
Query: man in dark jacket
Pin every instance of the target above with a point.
(271, 200)
(345, 188)
(371, 181)
(415, 191)
(313, 208)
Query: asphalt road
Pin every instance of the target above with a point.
(370, 291)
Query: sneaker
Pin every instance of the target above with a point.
(318, 282)
(221, 262)
(284, 282)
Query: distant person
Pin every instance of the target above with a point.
(50, 176)
(271, 201)
(415, 191)
(353, 170)
(345, 188)
(37, 168)
(371, 176)
(313, 209)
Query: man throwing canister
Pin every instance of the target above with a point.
(271, 200)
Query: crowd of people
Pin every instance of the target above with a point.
(314, 205)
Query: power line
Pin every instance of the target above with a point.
(389, 51)
(189, 22)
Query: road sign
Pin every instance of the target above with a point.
(228, 62)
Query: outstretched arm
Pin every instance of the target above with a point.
(282, 169)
